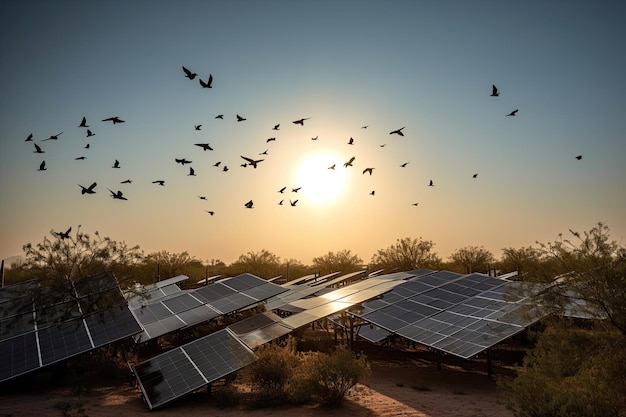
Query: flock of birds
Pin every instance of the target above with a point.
(246, 160)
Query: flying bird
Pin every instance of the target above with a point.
(351, 141)
(579, 157)
(315, 138)
(373, 192)
(182, 161)
(87, 146)
(210, 212)
(282, 190)
(29, 138)
(42, 166)
(383, 145)
(192, 172)
(270, 140)
(349, 163)
(225, 169)
(63, 235)
(368, 170)
(115, 120)
(37, 149)
(280, 203)
(80, 158)
(415, 204)
(332, 166)
(159, 182)
(293, 203)
(241, 119)
(88, 190)
(117, 195)
(197, 127)
(252, 161)
(83, 123)
(189, 74)
(201, 197)
(116, 164)
(276, 127)
(90, 133)
(494, 91)
(295, 190)
(208, 84)
(404, 165)
(431, 184)
(513, 113)
(397, 131)
(219, 116)
(249, 204)
(475, 176)
(300, 121)
(364, 127)
(54, 137)
(204, 146)
(217, 164)
(126, 182)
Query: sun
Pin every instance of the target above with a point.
(319, 183)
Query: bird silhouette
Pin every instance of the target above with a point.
(182, 161)
(217, 164)
(364, 127)
(513, 113)
(332, 166)
(88, 190)
(90, 133)
(249, 204)
(349, 163)
(415, 204)
(204, 146)
(370, 170)
(54, 137)
(225, 169)
(80, 158)
(475, 176)
(42, 166)
(63, 235)
(197, 127)
(244, 165)
(37, 149)
(240, 118)
(579, 157)
(192, 172)
(404, 165)
(114, 119)
(116, 164)
(373, 192)
(351, 141)
(300, 121)
(315, 138)
(383, 145)
(270, 140)
(117, 195)
(126, 182)
(219, 116)
(202, 197)
(397, 131)
(276, 127)
(280, 203)
(208, 84)
(431, 184)
(494, 91)
(159, 182)
(293, 203)
(282, 190)
(295, 190)
(210, 212)
(87, 146)
(252, 161)
(189, 74)
(83, 123)
(29, 138)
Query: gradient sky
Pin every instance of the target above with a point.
(425, 65)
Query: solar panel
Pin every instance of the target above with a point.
(59, 326)
(185, 369)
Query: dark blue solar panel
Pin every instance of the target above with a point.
(19, 355)
(181, 303)
(111, 325)
(213, 292)
(63, 341)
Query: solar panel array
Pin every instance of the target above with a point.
(38, 328)
(187, 308)
(459, 314)
(185, 369)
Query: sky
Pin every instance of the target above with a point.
(352, 69)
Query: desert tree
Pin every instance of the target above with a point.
(407, 254)
(577, 367)
(293, 268)
(342, 261)
(263, 264)
(473, 258)
(525, 260)
(163, 264)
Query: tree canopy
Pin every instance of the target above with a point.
(407, 254)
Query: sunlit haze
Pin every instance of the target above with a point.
(352, 70)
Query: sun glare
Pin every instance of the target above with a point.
(318, 181)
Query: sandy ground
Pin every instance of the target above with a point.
(402, 386)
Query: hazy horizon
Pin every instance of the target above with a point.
(427, 68)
